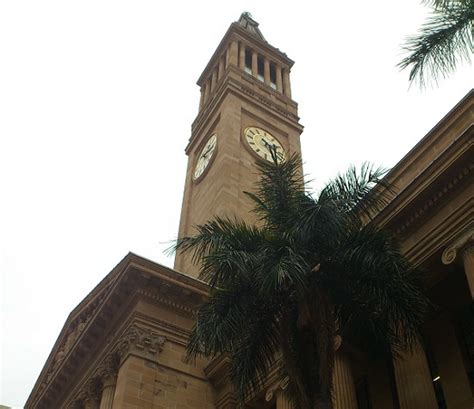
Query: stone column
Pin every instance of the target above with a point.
(254, 63)
(242, 56)
(266, 71)
(214, 80)
(108, 392)
(279, 79)
(233, 53)
(221, 68)
(206, 91)
(344, 387)
(464, 244)
(414, 383)
(286, 82)
(453, 376)
(468, 261)
(107, 373)
(201, 100)
(282, 402)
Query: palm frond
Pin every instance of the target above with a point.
(350, 192)
(218, 234)
(278, 191)
(444, 41)
(376, 291)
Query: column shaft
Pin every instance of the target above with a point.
(254, 64)
(214, 80)
(279, 79)
(468, 261)
(286, 82)
(201, 100)
(107, 399)
(447, 353)
(242, 56)
(233, 56)
(414, 383)
(344, 387)
(266, 71)
(206, 91)
(221, 68)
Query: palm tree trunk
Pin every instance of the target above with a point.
(316, 330)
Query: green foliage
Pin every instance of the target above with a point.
(444, 41)
(314, 268)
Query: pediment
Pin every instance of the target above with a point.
(88, 326)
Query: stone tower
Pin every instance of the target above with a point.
(245, 107)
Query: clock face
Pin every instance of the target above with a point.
(262, 143)
(205, 156)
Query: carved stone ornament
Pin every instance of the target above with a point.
(66, 347)
(108, 369)
(462, 241)
(282, 384)
(140, 340)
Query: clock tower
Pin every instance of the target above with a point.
(245, 108)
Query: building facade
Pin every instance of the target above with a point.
(123, 346)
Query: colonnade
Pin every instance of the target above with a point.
(235, 55)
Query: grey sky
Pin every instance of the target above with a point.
(96, 102)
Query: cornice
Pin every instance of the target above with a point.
(455, 160)
(423, 210)
(235, 86)
(135, 277)
(441, 235)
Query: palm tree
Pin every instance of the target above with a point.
(310, 272)
(445, 40)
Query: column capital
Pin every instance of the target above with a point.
(140, 341)
(90, 394)
(462, 242)
(108, 370)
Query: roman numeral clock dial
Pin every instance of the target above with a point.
(205, 156)
(263, 143)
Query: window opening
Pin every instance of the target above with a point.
(260, 68)
(248, 61)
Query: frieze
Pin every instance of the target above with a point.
(433, 200)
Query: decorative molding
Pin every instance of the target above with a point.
(141, 341)
(463, 240)
(167, 301)
(421, 211)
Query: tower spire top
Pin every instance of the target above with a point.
(248, 23)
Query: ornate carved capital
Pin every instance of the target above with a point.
(90, 394)
(462, 242)
(141, 341)
(108, 369)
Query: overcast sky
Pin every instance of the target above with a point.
(96, 102)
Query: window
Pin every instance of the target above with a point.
(248, 61)
(260, 68)
(273, 76)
